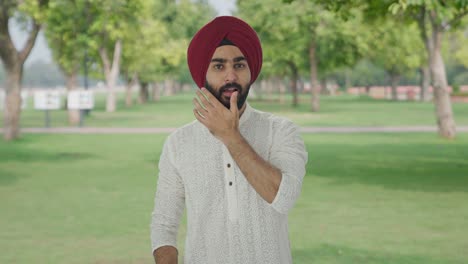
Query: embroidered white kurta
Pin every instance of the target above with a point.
(227, 220)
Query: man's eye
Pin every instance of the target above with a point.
(218, 66)
(239, 65)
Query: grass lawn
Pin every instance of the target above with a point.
(174, 111)
(367, 198)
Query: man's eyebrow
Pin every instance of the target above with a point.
(221, 60)
(218, 60)
(240, 58)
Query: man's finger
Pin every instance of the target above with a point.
(203, 99)
(198, 106)
(233, 107)
(210, 97)
(199, 116)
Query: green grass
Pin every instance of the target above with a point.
(174, 111)
(367, 198)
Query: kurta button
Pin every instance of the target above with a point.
(230, 183)
(229, 165)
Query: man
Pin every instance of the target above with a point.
(238, 171)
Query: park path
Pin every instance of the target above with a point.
(162, 130)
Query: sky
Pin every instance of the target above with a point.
(42, 52)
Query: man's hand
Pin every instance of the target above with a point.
(165, 255)
(223, 123)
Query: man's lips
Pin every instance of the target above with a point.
(229, 91)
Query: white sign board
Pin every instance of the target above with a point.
(24, 99)
(81, 99)
(47, 100)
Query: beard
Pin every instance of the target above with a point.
(242, 93)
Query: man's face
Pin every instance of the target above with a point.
(228, 72)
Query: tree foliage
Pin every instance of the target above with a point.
(67, 33)
(182, 19)
(286, 30)
(156, 49)
(396, 47)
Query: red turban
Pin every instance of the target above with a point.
(208, 38)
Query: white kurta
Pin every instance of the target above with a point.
(228, 221)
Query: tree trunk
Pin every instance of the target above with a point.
(156, 92)
(129, 90)
(263, 87)
(323, 86)
(347, 79)
(394, 80)
(111, 72)
(425, 82)
(271, 87)
(293, 83)
(177, 87)
(425, 69)
(111, 100)
(168, 87)
(368, 90)
(282, 91)
(13, 61)
(71, 84)
(129, 95)
(443, 105)
(12, 109)
(144, 93)
(301, 85)
(315, 90)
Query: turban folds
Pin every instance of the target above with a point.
(209, 37)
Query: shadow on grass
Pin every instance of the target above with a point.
(336, 254)
(7, 177)
(33, 155)
(20, 150)
(18, 154)
(431, 167)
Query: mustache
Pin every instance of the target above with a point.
(230, 85)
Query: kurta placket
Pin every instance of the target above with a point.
(230, 184)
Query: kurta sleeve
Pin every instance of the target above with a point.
(288, 154)
(169, 201)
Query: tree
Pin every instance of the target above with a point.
(456, 46)
(285, 44)
(276, 25)
(396, 48)
(341, 43)
(145, 47)
(67, 36)
(366, 73)
(435, 18)
(110, 21)
(304, 30)
(183, 19)
(167, 27)
(31, 13)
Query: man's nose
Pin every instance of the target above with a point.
(231, 76)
